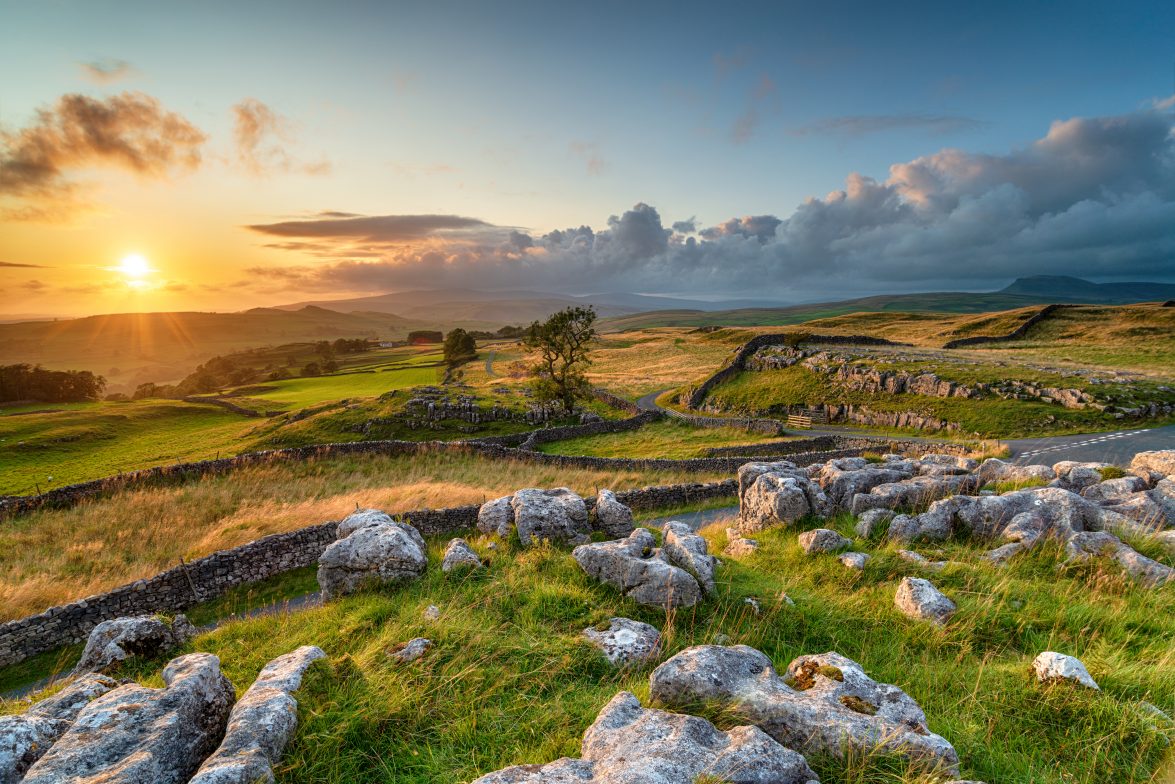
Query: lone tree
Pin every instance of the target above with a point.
(459, 346)
(562, 342)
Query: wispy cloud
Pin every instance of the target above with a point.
(862, 124)
(107, 70)
(763, 97)
(14, 264)
(262, 136)
(589, 152)
(130, 131)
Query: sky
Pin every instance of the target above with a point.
(221, 156)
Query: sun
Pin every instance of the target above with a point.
(135, 266)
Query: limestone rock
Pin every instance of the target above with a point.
(410, 651)
(779, 499)
(118, 639)
(629, 744)
(995, 470)
(260, 724)
(376, 554)
(854, 560)
(738, 546)
(685, 549)
(497, 516)
(871, 522)
(361, 519)
(938, 463)
(914, 492)
(557, 515)
(24, 737)
(1051, 666)
(459, 555)
(921, 560)
(823, 540)
(918, 598)
(827, 705)
(1114, 490)
(841, 480)
(137, 735)
(612, 517)
(432, 613)
(636, 567)
(1087, 545)
(626, 642)
(1153, 466)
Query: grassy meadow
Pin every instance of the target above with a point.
(50, 557)
(510, 679)
(668, 438)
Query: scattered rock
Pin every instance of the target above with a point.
(386, 553)
(854, 560)
(823, 540)
(432, 613)
(613, 518)
(260, 724)
(921, 560)
(1088, 545)
(1153, 466)
(995, 470)
(826, 705)
(638, 569)
(918, 598)
(557, 515)
(24, 737)
(628, 743)
(119, 639)
(626, 642)
(738, 546)
(871, 522)
(496, 517)
(685, 549)
(137, 735)
(1050, 667)
(410, 651)
(459, 555)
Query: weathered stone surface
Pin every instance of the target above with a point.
(136, 735)
(260, 724)
(119, 639)
(737, 545)
(497, 516)
(24, 737)
(636, 567)
(1153, 466)
(361, 519)
(376, 554)
(826, 705)
(914, 492)
(854, 560)
(459, 555)
(1114, 490)
(934, 463)
(870, 523)
(822, 540)
(410, 651)
(921, 560)
(779, 497)
(995, 470)
(1004, 553)
(613, 518)
(629, 744)
(918, 598)
(687, 550)
(626, 642)
(1050, 667)
(841, 480)
(556, 515)
(1088, 545)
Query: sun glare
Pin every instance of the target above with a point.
(134, 266)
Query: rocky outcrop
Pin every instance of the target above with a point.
(137, 735)
(686, 550)
(25, 737)
(625, 642)
(826, 704)
(612, 518)
(639, 569)
(737, 545)
(995, 470)
(260, 724)
(459, 555)
(114, 641)
(381, 554)
(918, 598)
(361, 518)
(777, 493)
(557, 515)
(823, 540)
(1051, 667)
(1086, 546)
(631, 744)
(1153, 466)
(496, 517)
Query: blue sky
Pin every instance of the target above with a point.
(543, 116)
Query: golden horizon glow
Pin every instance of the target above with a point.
(135, 266)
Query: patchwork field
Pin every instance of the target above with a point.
(669, 438)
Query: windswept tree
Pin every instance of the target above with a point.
(459, 346)
(562, 343)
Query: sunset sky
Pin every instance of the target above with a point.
(219, 156)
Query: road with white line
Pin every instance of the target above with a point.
(1117, 447)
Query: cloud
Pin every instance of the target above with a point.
(1094, 197)
(107, 70)
(34, 286)
(129, 131)
(862, 124)
(686, 226)
(764, 96)
(590, 153)
(14, 264)
(261, 137)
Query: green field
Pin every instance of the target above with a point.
(668, 438)
(510, 679)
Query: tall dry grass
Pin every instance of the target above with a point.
(55, 556)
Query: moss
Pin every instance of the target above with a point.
(859, 705)
(1112, 472)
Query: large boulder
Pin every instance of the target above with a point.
(557, 515)
(917, 491)
(137, 735)
(844, 478)
(25, 737)
(260, 724)
(1111, 491)
(626, 641)
(826, 705)
(613, 518)
(387, 553)
(640, 571)
(629, 744)
(777, 494)
(918, 598)
(119, 639)
(1153, 466)
(823, 540)
(361, 518)
(995, 470)
(685, 549)
(935, 463)
(497, 516)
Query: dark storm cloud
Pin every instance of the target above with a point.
(1095, 197)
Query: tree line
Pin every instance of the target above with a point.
(33, 382)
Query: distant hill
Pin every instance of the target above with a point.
(1062, 287)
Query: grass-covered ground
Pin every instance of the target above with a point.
(668, 438)
(54, 556)
(510, 680)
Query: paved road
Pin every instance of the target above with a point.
(649, 403)
(490, 363)
(1117, 447)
